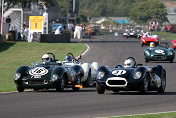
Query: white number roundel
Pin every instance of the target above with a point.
(118, 72)
(159, 51)
(38, 71)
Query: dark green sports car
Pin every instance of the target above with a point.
(159, 53)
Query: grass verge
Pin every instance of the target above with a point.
(15, 54)
(166, 35)
(159, 115)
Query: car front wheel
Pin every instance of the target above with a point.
(144, 85)
(100, 89)
(20, 88)
(60, 86)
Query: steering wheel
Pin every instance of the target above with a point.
(73, 57)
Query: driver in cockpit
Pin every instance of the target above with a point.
(46, 58)
(128, 63)
(68, 58)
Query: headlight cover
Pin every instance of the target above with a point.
(170, 53)
(137, 75)
(55, 77)
(143, 39)
(147, 52)
(100, 74)
(17, 76)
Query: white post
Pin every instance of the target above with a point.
(2, 14)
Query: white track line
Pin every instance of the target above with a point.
(84, 51)
(138, 114)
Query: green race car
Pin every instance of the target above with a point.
(159, 53)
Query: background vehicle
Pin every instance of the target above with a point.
(159, 53)
(174, 44)
(168, 27)
(146, 40)
(90, 70)
(49, 75)
(137, 78)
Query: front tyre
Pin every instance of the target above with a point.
(146, 60)
(20, 88)
(142, 44)
(100, 89)
(60, 86)
(161, 89)
(171, 61)
(144, 85)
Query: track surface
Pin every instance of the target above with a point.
(87, 103)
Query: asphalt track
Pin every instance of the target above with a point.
(86, 103)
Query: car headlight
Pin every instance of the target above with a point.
(147, 52)
(100, 74)
(170, 53)
(157, 40)
(137, 75)
(17, 76)
(55, 77)
(143, 39)
(174, 43)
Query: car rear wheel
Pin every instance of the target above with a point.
(161, 89)
(20, 88)
(100, 89)
(61, 84)
(144, 85)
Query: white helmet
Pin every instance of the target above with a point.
(128, 63)
(46, 58)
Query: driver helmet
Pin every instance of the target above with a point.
(152, 44)
(128, 63)
(46, 58)
(67, 58)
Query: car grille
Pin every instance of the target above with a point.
(159, 56)
(116, 82)
(35, 81)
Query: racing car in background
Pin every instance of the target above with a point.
(147, 38)
(174, 44)
(90, 70)
(133, 78)
(49, 75)
(159, 53)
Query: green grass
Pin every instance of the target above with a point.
(166, 35)
(15, 54)
(160, 115)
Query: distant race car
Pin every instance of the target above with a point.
(174, 44)
(147, 39)
(49, 75)
(90, 70)
(136, 78)
(159, 53)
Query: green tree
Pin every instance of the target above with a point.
(11, 3)
(143, 11)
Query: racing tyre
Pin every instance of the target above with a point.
(78, 83)
(100, 89)
(161, 89)
(20, 88)
(60, 86)
(88, 82)
(171, 61)
(146, 60)
(142, 44)
(144, 86)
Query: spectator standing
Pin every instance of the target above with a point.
(78, 30)
(59, 30)
(16, 33)
(8, 20)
